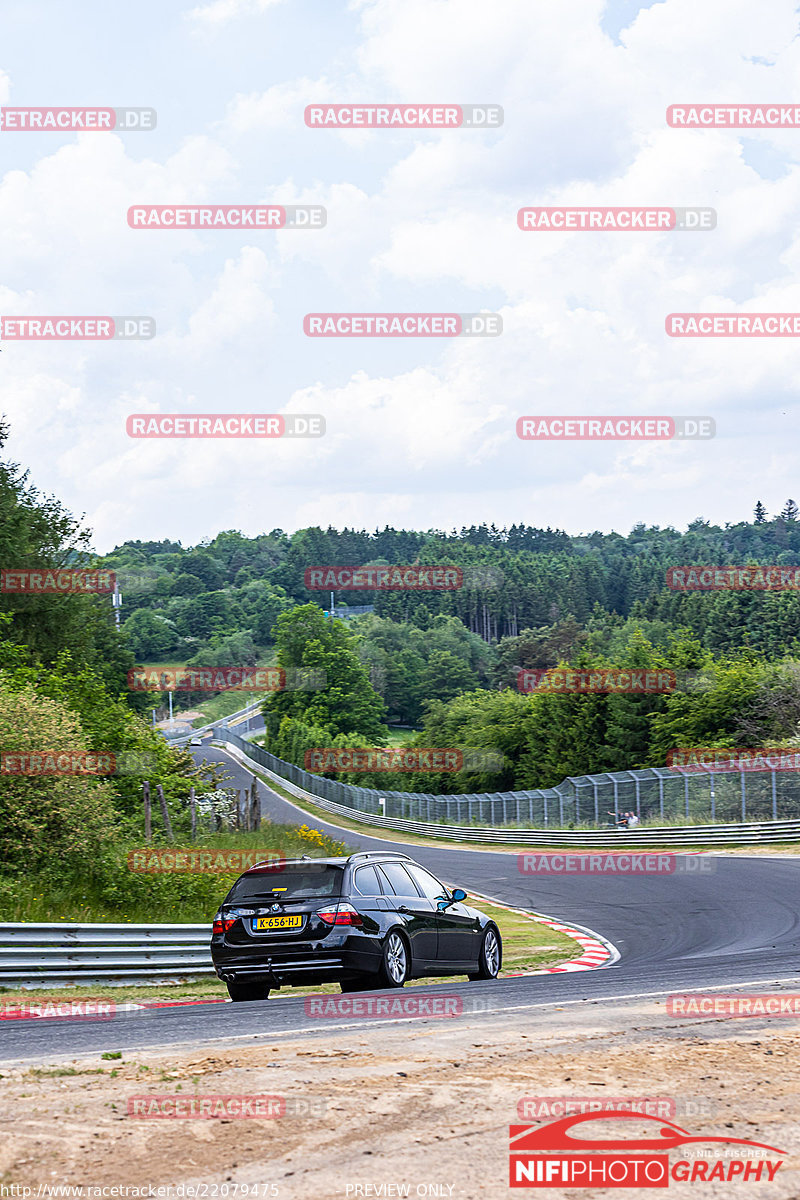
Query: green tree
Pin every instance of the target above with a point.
(150, 635)
(37, 532)
(445, 675)
(307, 641)
(44, 818)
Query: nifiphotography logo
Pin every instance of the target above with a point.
(553, 1156)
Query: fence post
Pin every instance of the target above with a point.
(686, 794)
(713, 797)
(164, 812)
(256, 807)
(193, 813)
(774, 799)
(148, 828)
(239, 821)
(661, 797)
(744, 796)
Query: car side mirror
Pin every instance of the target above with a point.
(445, 902)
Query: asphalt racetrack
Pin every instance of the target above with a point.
(718, 922)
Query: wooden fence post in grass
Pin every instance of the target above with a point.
(193, 813)
(255, 807)
(164, 812)
(148, 828)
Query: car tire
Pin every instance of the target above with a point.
(396, 964)
(247, 991)
(491, 956)
(366, 984)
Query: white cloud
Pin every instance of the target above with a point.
(220, 12)
(421, 432)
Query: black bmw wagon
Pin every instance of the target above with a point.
(373, 920)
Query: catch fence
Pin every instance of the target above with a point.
(655, 794)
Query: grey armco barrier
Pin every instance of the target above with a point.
(508, 810)
(58, 954)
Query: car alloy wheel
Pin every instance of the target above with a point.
(395, 961)
(489, 960)
(491, 953)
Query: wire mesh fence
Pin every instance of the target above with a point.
(658, 795)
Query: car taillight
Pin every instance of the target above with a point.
(222, 924)
(343, 914)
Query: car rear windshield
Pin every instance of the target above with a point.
(291, 883)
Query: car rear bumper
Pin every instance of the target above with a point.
(295, 966)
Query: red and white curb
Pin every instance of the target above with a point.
(597, 951)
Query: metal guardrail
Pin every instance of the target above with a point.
(59, 954)
(249, 710)
(746, 833)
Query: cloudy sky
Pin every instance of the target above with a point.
(420, 432)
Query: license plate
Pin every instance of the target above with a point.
(262, 923)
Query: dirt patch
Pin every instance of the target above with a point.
(420, 1103)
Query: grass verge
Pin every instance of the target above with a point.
(110, 890)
